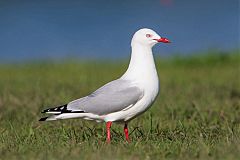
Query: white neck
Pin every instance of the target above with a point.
(142, 66)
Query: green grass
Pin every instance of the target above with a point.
(195, 116)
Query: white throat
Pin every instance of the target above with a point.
(142, 65)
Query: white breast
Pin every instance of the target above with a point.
(150, 93)
(150, 87)
(142, 72)
(144, 75)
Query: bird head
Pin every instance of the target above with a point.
(147, 37)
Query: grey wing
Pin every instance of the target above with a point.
(112, 97)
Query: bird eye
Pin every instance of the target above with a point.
(148, 35)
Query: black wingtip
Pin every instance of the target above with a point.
(61, 108)
(43, 119)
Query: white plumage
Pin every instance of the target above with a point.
(125, 98)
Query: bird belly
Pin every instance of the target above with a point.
(131, 113)
(150, 93)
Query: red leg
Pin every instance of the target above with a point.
(126, 132)
(108, 126)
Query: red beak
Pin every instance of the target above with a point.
(163, 40)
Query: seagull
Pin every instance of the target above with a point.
(123, 99)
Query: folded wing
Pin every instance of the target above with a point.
(112, 97)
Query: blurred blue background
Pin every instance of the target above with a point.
(36, 30)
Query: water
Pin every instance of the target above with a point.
(102, 29)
